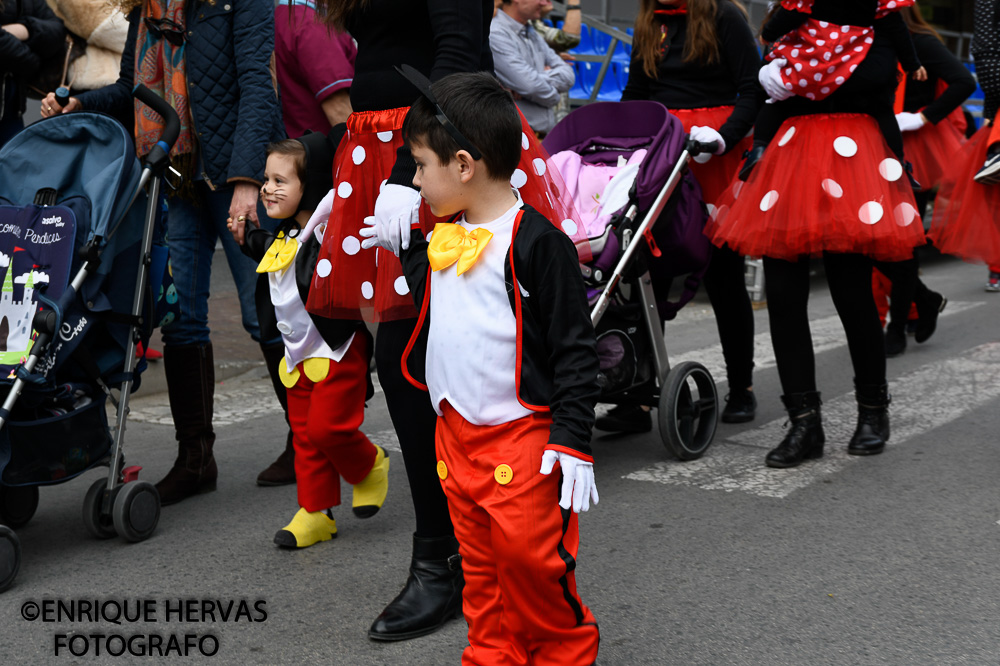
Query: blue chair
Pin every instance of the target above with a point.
(578, 91)
(601, 41)
(621, 54)
(586, 46)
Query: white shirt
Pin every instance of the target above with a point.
(472, 342)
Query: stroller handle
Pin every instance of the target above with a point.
(172, 124)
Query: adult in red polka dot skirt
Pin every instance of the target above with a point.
(828, 187)
(700, 60)
(373, 180)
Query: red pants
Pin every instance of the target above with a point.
(325, 417)
(518, 547)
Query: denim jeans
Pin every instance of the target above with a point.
(192, 232)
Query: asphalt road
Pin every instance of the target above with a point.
(885, 560)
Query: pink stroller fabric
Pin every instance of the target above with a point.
(585, 184)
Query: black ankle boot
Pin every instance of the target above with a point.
(741, 406)
(930, 304)
(895, 339)
(431, 597)
(873, 420)
(752, 156)
(805, 437)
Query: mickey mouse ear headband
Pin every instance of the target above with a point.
(421, 83)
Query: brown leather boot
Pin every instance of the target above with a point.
(282, 471)
(190, 372)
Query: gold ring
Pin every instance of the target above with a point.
(242, 218)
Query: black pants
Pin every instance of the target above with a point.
(414, 420)
(726, 287)
(850, 280)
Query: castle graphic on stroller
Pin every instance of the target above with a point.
(75, 299)
(625, 169)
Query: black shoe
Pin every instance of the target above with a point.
(752, 156)
(895, 340)
(805, 437)
(626, 418)
(928, 309)
(873, 420)
(741, 406)
(432, 594)
(990, 173)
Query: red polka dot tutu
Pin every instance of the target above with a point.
(821, 56)
(931, 149)
(827, 183)
(715, 174)
(966, 218)
(352, 283)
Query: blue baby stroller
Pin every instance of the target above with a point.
(74, 257)
(646, 231)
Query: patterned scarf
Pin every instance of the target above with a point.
(159, 65)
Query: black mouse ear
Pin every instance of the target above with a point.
(423, 84)
(419, 81)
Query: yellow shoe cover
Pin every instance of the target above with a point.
(306, 529)
(370, 492)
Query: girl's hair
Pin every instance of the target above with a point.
(702, 43)
(293, 149)
(338, 12)
(916, 23)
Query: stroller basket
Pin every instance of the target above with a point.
(54, 449)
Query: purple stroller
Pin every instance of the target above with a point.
(653, 199)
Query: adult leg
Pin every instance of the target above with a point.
(850, 280)
(726, 287)
(904, 276)
(432, 592)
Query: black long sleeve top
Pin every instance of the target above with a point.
(942, 65)
(436, 37)
(45, 38)
(731, 80)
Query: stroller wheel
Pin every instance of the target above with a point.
(98, 524)
(10, 556)
(689, 410)
(137, 510)
(17, 504)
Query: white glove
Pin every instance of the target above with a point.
(708, 135)
(909, 122)
(578, 486)
(770, 77)
(320, 216)
(395, 209)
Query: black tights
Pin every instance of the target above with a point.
(414, 420)
(726, 287)
(850, 280)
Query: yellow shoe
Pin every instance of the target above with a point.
(370, 492)
(306, 529)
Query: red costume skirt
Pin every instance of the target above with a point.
(932, 149)
(967, 214)
(352, 283)
(713, 172)
(827, 183)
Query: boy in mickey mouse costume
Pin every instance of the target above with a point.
(511, 368)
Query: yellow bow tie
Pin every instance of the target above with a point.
(451, 243)
(279, 255)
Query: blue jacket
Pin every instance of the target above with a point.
(234, 107)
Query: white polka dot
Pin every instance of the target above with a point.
(351, 245)
(570, 227)
(852, 68)
(539, 165)
(813, 62)
(384, 137)
(859, 49)
(798, 67)
(817, 77)
(810, 49)
(840, 80)
(845, 146)
(812, 31)
(834, 35)
(845, 28)
(803, 83)
(518, 179)
(323, 268)
(367, 290)
(891, 169)
(767, 203)
(811, 95)
(344, 190)
(737, 188)
(795, 53)
(827, 56)
(400, 286)
(789, 86)
(824, 24)
(831, 69)
(820, 42)
(825, 90)
(358, 155)
(788, 71)
(839, 49)
(868, 40)
(712, 212)
(905, 214)
(524, 141)
(870, 212)
(832, 188)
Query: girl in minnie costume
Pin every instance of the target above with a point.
(817, 45)
(828, 187)
(325, 365)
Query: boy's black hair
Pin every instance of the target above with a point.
(481, 110)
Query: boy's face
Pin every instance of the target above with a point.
(282, 189)
(440, 184)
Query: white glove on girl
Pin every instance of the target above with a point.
(578, 486)
(394, 211)
(909, 122)
(708, 135)
(770, 77)
(320, 216)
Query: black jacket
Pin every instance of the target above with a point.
(556, 346)
(20, 61)
(942, 65)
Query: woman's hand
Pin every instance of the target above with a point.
(50, 107)
(242, 208)
(920, 74)
(19, 31)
